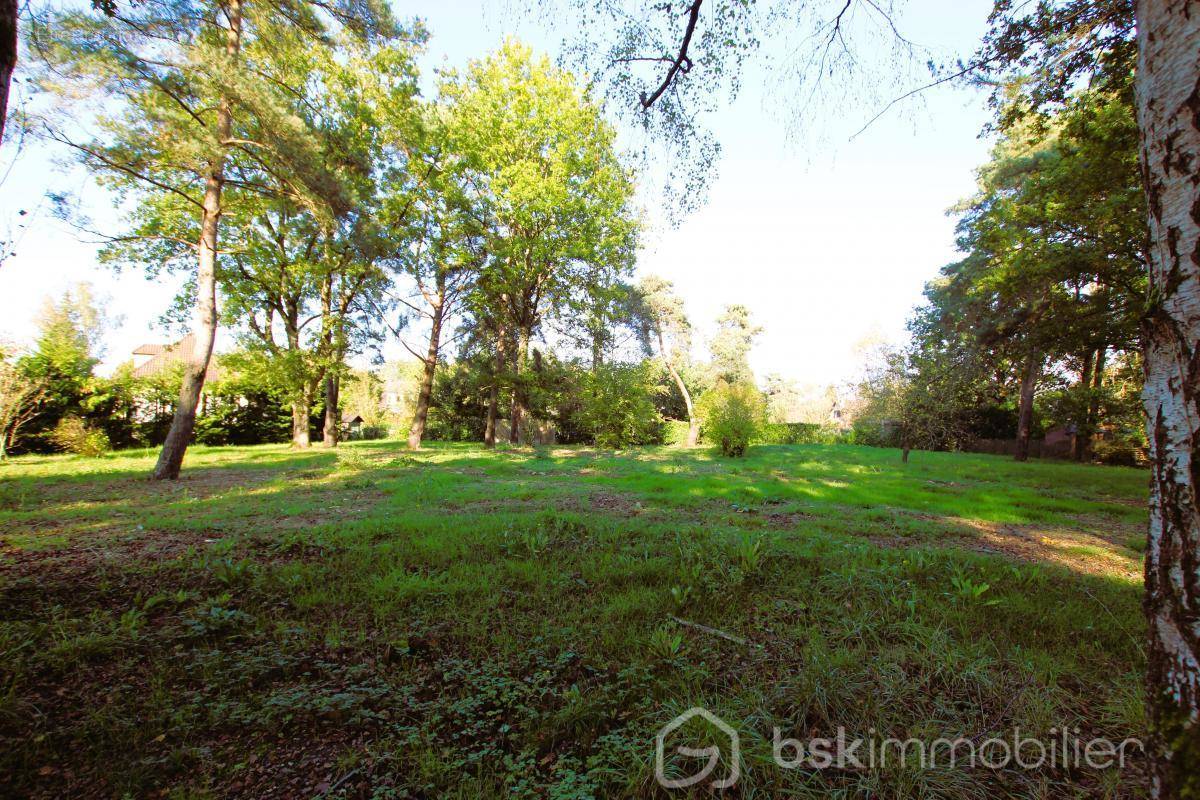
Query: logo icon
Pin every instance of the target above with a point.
(712, 752)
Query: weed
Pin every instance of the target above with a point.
(968, 591)
(666, 644)
(351, 459)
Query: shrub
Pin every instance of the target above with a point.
(733, 414)
(675, 432)
(73, 436)
(1119, 452)
(372, 432)
(617, 405)
(798, 433)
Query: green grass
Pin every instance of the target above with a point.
(464, 623)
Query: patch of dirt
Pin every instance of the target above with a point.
(621, 505)
(787, 520)
(1083, 551)
(300, 766)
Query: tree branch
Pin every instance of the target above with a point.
(682, 62)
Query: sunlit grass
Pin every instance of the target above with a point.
(458, 622)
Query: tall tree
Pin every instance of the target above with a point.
(731, 345)
(310, 287)
(1168, 89)
(442, 264)
(553, 191)
(176, 87)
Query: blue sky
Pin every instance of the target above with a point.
(828, 241)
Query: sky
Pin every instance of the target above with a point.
(828, 241)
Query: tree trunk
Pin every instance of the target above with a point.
(204, 332)
(1083, 442)
(300, 409)
(1083, 422)
(204, 327)
(421, 414)
(693, 423)
(1033, 371)
(517, 411)
(501, 362)
(1168, 100)
(9, 10)
(333, 416)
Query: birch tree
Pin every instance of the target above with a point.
(1168, 91)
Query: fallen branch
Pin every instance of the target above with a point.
(341, 781)
(715, 632)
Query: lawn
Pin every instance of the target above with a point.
(458, 623)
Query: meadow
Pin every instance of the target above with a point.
(463, 623)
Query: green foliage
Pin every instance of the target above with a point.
(675, 432)
(1054, 235)
(731, 345)
(666, 643)
(798, 433)
(617, 406)
(559, 227)
(246, 406)
(458, 404)
(72, 435)
(733, 414)
(61, 362)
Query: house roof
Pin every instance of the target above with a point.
(166, 356)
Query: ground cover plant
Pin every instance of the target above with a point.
(456, 622)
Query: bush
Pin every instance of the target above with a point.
(617, 405)
(675, 432)
(733, 414)
(798, 433)
(1119, 452)
(73, 436)
(370, 433)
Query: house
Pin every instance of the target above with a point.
(1059, 442)
(150, 360)
(166, 361)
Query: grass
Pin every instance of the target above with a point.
(462, 623)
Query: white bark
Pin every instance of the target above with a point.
(1168, 87)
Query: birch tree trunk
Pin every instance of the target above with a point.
(1168, 100)
(204, 326)
(1033, 371)
(1083, 422)
(1093, 408)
